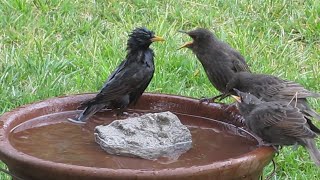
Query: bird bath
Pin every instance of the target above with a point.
(37, 142)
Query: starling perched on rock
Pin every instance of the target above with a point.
(218, 59)
(127, 83)
(270, 88)
(277, 123)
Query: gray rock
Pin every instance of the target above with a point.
(149, 136)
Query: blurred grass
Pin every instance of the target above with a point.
(54, 48)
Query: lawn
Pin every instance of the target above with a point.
(60, 47)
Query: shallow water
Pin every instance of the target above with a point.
(53, 138)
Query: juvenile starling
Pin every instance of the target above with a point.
(271, 88)
(277, 123)
(127, 83)
(218, 59)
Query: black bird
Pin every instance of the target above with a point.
(127, 83)
(218, 59)
(277, 123)
(271, 88)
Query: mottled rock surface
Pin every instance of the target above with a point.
(149, 136)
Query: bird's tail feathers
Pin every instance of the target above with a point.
(86, 103)
(313, 151)
(313, 127)
(316, 95)
(89, 111)
(312, 113)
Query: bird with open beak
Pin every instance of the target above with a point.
(129, 80)
(271, 88)
(218, 59)
(277, 123)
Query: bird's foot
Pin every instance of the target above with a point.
(213, 99)
(134, 115)
(122, 115)
(76, 121)
(205, 100)
(274, 146)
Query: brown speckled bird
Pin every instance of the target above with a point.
(270, 88)
(218, 59)
(277, 123)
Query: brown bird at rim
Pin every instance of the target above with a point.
(270, 88)
(277, 123)
(218, 59)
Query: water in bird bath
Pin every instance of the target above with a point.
(52, 137)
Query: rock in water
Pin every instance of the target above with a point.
(149, 136)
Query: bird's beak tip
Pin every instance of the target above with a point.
(237, 98)
(187, 44)
(157, 38)
(182, 31)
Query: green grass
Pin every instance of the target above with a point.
(53, 48)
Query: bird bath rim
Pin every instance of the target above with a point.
(9, 154)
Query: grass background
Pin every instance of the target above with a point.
(59, 47)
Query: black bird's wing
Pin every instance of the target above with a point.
(134, 96)
(119, 68)
(287, 120)
(125, 80)
(111, 76)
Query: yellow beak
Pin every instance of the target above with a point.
(237, 98)
(187, 44)
(157, 38)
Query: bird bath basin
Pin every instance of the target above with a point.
(37, 142)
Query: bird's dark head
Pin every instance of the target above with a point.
(246, 98)
(141, 38)
(200, 36)
(246, 101)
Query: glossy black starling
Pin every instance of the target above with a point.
(218, 59)
(277, 123)
(127, 83)
(271, 88)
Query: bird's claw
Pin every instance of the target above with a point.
(205, 100)
(263, 144)
(76, 121)
(122, 114)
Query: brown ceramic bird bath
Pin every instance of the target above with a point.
(37, 142)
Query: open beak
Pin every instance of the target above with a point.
(157, 38)
(187, 44)
(237, 98)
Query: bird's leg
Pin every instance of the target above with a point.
(120, 113)
(295, 147)
(273, 171)
(211, 100)
(223, 96)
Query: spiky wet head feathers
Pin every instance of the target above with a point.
(140, 38)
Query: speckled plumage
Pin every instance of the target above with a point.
(271, 88)
(278, 123)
